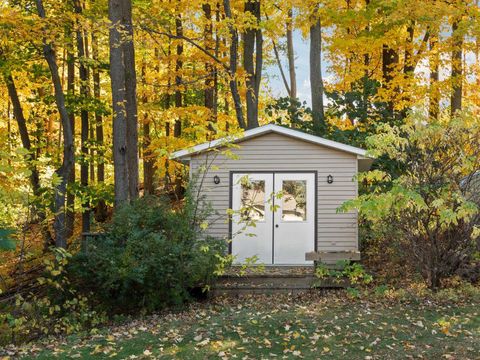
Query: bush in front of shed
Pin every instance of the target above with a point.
(151, 256)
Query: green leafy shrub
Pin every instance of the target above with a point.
(54, 308)
(150, 256)
(381, 290)
(353, 293)
(429, 215)
(353, 272)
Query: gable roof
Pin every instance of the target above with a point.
(262, 130)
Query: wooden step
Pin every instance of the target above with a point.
(270, 283)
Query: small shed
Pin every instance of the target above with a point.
(283, 187)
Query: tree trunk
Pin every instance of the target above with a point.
(389, 61)
(215, 71)
(131, 103)
(70, 216)
(84, 92)
(177, 130)
(291, 57)
(233, 65)
(252, 62)
(408, 66)
(101, 210)
(434, 96)
(316, 81)
(117, 75)
(9, 131)
(209, 100)
(68, 152)
(280, 67)
(22, 129)
(457, 70)
(148, 161)
(123, 81)
(91, 132)
(25, 137)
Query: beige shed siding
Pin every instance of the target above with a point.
(275, 152)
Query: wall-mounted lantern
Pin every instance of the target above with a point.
(329, 179)
(216, 179)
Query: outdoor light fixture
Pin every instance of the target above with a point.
(329, 179)
(216, 180)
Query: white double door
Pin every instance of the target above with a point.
(273, 217)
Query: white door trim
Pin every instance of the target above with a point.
(273, 173)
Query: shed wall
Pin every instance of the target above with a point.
(275, 152)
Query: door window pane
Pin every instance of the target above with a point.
(294, 200)
(253, 201)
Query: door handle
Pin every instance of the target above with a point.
(276, 225)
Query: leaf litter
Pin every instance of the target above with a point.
(306, 326)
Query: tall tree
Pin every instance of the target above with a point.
(24, 135)
(70, 215)
(233, 59)
(291, 56)
(131, 102)
(123, 83)
(316, 80)
(84, 92)
(68, 151)
(390, 59)
(148, 161)
(210, 88)
(253, 61)
(457, 68)
(434, 96)
(177, 130)
(101, 209)
(30, 158)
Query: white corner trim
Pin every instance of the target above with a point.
(264, 130)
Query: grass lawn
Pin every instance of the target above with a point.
(309, 326)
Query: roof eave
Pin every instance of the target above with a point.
(181, 154)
